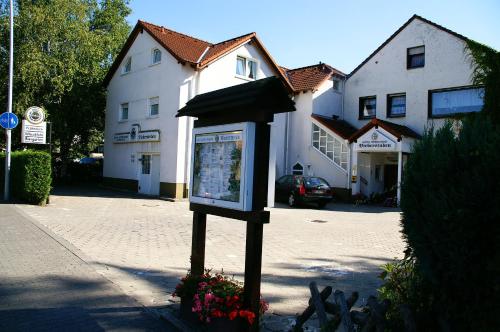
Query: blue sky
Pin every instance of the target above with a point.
(300, 33)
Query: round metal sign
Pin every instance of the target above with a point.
(35, 115)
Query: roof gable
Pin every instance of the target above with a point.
(398, 131)
(310, 77)
(414, 17)
(186, 49)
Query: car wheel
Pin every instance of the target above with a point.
(291, 200)
(321, 205)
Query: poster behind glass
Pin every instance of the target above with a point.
(217, 165)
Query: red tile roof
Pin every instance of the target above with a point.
(187, 49)
(310, 77)
(399, 131)
(339, 127)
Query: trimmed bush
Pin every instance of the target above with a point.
(451, 213)
(30, 177)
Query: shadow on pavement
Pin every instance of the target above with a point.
(55, 303)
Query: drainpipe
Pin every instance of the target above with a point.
(193, 91)
(287, 124)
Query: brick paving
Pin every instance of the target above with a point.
(143, 245)
(46, 286)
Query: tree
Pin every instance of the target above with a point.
(63, 49)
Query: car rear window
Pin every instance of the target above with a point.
(314, 182)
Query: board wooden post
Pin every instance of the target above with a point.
(198, 243)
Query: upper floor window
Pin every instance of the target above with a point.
(123, 112)
(332, 148)
(453, 101)
(396, 105)
(336, 85)
(154, 106)
(367, 107)
(298, 169)
(155, 56)
(246, 67)
(127, 67)
(415, 57)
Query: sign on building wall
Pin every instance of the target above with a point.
(223, 166)
(34, 127)
(137, 136)
(375, 140)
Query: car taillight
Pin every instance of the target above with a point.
(302, 189)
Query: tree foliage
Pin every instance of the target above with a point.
(450, 197)
(63, 49)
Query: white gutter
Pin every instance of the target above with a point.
(203, 54)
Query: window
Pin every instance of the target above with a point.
(246, 67)
(415, 57)
(455, 101)
(124, 112)
(367, 107)
(396, 105)
(336, 85)
(128, 66)
(329, 146)
(298, 169)
(155, 56)
(154, 106)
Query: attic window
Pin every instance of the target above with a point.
(128, 66)
(336, 85)
(415, 57)
(246, 68)
(155, 56)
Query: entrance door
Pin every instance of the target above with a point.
(149, 174)
(390, 177)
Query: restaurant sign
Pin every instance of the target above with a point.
(375, 140)
(136, 135)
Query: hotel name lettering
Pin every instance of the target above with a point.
(138, 137)
(376, 141)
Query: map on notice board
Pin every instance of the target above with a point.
(217, 165)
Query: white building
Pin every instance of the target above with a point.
(420, 76)
(158, 70)
(354, 130)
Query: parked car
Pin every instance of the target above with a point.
(296, 189)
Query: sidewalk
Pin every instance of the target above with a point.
(46, 286)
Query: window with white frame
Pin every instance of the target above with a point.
(246, 67)
(155, 56)
(298, 169)
(123, 112)
(127, 67)
(154, 106)
(332, 148)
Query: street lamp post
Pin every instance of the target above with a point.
(9, 105)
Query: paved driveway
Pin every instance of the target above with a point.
(143, 245)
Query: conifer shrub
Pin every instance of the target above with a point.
(30, 177)
(451, 214)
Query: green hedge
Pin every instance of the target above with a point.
(30, 177)
(451, 213)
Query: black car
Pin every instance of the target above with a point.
(295, 189)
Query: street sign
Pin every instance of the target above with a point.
(33, 133)
(8, 120)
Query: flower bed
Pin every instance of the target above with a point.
(215, 297)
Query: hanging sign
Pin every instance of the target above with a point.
(34, 127)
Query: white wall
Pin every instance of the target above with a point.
(143, 82)
(446, 65)
(324, 102)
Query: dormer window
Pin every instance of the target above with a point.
(336, 85)
(128, 66)
(155, 56)
(246, 68)
(415, 57)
